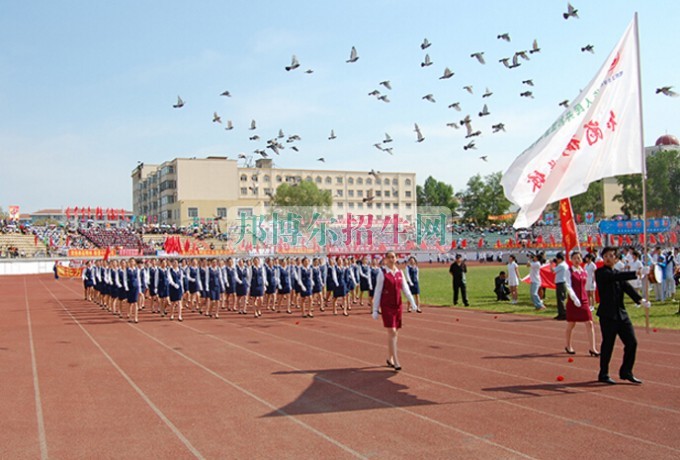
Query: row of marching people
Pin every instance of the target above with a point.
(244, 285)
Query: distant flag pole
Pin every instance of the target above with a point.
(598, 135)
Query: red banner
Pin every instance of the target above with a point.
(69, 272)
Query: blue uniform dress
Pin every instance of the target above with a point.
(231, 280)
(350, 280)
(89, 277)
(163, 291)
(193, 280)
(340, 289)
(256, 282)
(215, 283)
(284, 280)
(306, 281)
(414, 276)
(108, 283)
(153, 276)
(177, 290)
(185, 279)
(243, 287)
(204, 283)
(133, 285)
(316, 278)
(374, 279)
(330, 282)
(295, 277)
(364, 278)
(143, 279)
(122, 293)
(272, 283)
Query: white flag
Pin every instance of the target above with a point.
(599, 135)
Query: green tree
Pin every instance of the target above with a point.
(663, 186)
(303, 198)
(483, 197)
(435, 193)
(590, 200)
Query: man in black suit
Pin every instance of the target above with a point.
(614, 320)
(458, 270)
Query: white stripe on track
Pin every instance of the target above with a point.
(129, 380)
(42, 437)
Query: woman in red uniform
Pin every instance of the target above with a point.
(578, 306)
(389, 285)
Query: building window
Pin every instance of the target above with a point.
(351, 205)
(408, 206)
(338, 180)
(378, 193)
(246, 211)
(340, 205)
(254, 177)
(408, 193)
(360, 193)
(387, 193)
(369, 205)
(244, 178)
(193, 212)
(339, 193)
(318, 179)
(387, 206)
(279, 178)
(329, 180)
(377, 181)
(244, 190)
(395, 181)
(369, 181)
(407, 182)
(350, 181)
(267, 191)
(221, 212)
(359, 181)
(360, 205)
(350, 193)
(378, 205)
(267, 178)
(254, 190)
(309, 179)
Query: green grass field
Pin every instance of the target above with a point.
(436, 290)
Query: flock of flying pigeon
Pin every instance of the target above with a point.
(276, 144)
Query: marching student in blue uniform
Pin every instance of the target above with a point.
(284, 285)
(340, 291)
(153, 285)
(258, 283)
(413, 280)
(294, 282)
(306, 284)
(350, 283)
(143, 283)
(115, 286)
(88, 280)
(108, 283)
(317, 283)
(375, 269)
(123, 288)
(223, 286)
(162, 287)
(331, 280)
(193, 283)
(184, 266)
(242, 286)
(272, 284)
(230, 281)
(365, 282)
(175, 289)
(214, 289)
(204, 286)
(132, 275)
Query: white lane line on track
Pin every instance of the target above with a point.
(360, 394)
(139, 391)
(42, 437)
(436, 382)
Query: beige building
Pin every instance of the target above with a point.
(184, 191)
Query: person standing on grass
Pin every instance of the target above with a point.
(535, 278)
(578, 308)
(457, 270)
(561, 270)
(390, 284)
(614, 320)
(413, 279)
(513, 278)
(590, 267)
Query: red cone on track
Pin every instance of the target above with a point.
(457, 319)
(560, 378)
(570, 360)
(654, 329)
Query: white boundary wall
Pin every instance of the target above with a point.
(26, 266)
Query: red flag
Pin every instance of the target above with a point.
(35, 240)
(620, 240)
(89, 212)
(463, 244)
(480, 243)
(453, 244)
(569, 235)
(662, 239)
(641, 238)
(107, 253)
(629, 241)
(674, 238)
(187, 246)
(552, 239)
(498, 243)
(599, 240)
(68, 212)
(75, 211)
(590, 240)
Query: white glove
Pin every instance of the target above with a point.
(375, 314)
(577, 302)
(645, 303)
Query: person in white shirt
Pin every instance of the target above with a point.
(561, 270)
(535, 278)
(635, 265)
(590, 268)
(513, 277)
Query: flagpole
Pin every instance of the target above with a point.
(645, 281)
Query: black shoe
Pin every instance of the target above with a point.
(389, 364)
(560, 318)
(594, 353)
(467, 304)
(606, 379)
(569, 352)
(631, 378)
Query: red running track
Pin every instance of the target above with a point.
(77, 382)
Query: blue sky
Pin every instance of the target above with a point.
(87, 88)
